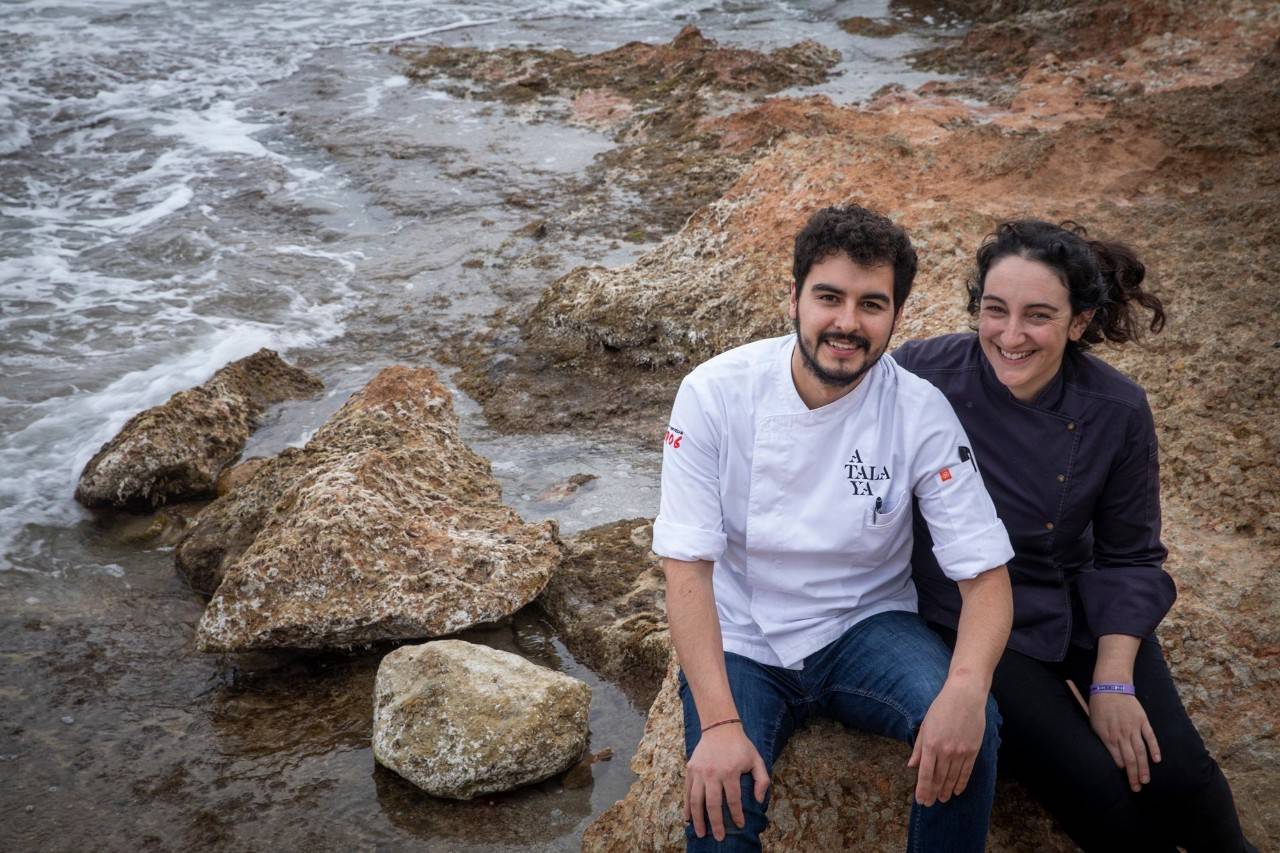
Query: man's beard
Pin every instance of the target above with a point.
(832, 378)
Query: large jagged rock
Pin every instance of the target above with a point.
(175, 451)
(460, 720)
(608, 603)
(833, 789)
(385, 526)
(660, 103)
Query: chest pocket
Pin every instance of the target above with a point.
(885, 533)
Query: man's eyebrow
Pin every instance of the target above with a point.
(840, 291)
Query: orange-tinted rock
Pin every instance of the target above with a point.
(1177, 153)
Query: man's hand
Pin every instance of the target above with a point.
(948, 741)
(1121, 723)
(713, 777)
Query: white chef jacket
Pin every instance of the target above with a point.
(806, 513)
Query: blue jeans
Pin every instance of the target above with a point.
(879, 677)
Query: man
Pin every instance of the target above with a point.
(788, 476)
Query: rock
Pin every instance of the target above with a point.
(175, 451)
(1126, 168)
(608, 604)
(236, 476)
(875, 28)
(565, 489)
(655, 99)
(385, 526)
(833, 789)
(164, 528)
(460, 720)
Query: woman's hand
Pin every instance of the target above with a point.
(1121, 723)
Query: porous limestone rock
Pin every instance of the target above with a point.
(608, 603)
(175, 451)
(460, 720)
(384, 526)
(833, 789)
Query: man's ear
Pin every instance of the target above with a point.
(795, 296)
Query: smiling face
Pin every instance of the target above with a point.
(1024, 324)
(844, 316)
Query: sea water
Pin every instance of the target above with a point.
(181, 184)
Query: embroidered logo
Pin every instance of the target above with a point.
(673, 437)
(861, 474)
(944, 474)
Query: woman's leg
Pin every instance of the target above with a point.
(1188, 799)
(1047, 745)
(764, 697)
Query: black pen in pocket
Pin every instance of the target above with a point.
(876, 512)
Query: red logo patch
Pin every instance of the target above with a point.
(673, 437)
(944, 474)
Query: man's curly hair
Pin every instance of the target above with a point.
(867, 238)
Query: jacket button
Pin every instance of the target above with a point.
(1062, 478)
(1071, 427)
(1048, 525)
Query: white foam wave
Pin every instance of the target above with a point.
(43, 461)
(220, 129)
(175, 199)
(345, 259)
(15, 134)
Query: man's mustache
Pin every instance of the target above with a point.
(853, 340)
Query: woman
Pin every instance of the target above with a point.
(1068, 452)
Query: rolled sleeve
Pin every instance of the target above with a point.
(968, 536)
(971, 555)
(682, 542)
(1128, 591)
(690, 522)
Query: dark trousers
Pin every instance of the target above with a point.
(1048, 745)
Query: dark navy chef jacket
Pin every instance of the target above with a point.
(1074, 475)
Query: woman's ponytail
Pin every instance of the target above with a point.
(1122, 274)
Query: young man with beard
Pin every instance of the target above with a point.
(788, 477)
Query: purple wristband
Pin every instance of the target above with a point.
(1112, 687)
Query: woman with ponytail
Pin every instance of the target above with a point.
(1093, 725)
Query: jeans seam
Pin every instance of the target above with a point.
(867, 694)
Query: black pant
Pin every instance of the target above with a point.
(1047, 745)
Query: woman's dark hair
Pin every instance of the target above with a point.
(867, 238)
(1099, 275)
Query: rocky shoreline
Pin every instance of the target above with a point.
(1156, 123)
